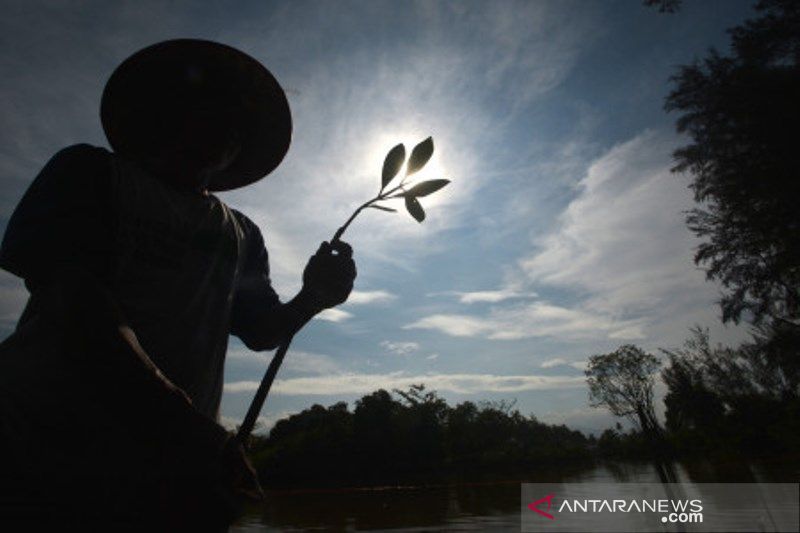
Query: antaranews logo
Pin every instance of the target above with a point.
(624, 507)
(535, 506)
(672, 511)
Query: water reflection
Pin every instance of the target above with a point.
(488, 506)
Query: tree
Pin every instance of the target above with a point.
(690, 404)
(742, 114)
(766, 367)
(745, 398)
(623, 381)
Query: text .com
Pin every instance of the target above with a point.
(683, 518)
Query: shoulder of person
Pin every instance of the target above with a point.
(80, 159)
(252, 236)
(248, 226)
(83, 152)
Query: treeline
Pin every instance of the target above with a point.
(411, 436)
(720, 401)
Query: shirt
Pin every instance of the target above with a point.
(186, 269)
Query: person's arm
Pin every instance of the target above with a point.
(90, 325)
(60, 240)
(268, 326)
(260, 319)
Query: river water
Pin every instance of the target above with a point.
(486, 506)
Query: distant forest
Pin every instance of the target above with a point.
(414, 436)
(408, 437)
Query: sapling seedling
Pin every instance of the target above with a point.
(392, 164)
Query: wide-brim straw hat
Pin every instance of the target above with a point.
(147, 95)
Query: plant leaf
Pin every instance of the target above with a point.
(425, 188)
(415, 208)
(420, 155)
(383, 208)
(391, 165)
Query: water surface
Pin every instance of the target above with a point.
(485, 506)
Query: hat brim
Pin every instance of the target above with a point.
(139, 90)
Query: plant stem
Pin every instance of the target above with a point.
(340, 231)
(381, 196)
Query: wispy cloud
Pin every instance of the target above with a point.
(400, 348)
(296, 361)
(369, 297)
(623, 242)
(489, 296)
(365, 383)
(560, 361)
(456, 325)
(334, 315)
(538, 319)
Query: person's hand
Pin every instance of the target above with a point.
(328, 277)
(236, 484)
(213, 484)
(239, 477)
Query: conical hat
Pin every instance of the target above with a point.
(146, 96)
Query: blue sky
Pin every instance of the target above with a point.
(560, 236)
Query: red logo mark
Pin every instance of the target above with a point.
(533, 506)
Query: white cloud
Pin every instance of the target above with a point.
(492, 296)
(537, 319)
(309, 363)
(369, 297)
(623, 242)
(433, 357)
(560, 361)
(264, 423)
(334, 315)
(550, 363)
(456, 325)
(400, 348)
(364, 383)
(296, 361)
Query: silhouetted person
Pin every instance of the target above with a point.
(110, 386)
